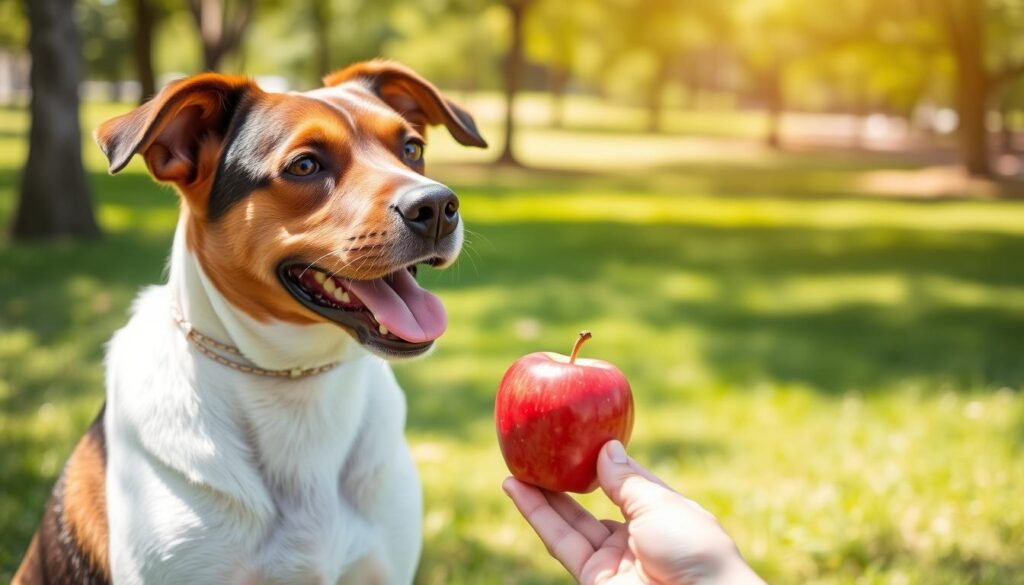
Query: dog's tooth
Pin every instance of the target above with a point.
(320, 277)
(341, 295)
(383, 329)
(329, 286)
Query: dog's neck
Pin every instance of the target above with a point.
(272, 344)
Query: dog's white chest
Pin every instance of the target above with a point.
(327, 463)
(215, 476)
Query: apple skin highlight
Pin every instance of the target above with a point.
(553, 414)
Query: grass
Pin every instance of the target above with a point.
(837, 376)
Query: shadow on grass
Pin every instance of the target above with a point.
(60, 303)
(835, 310)
(866, 310)
(567, 274)
(781, 176)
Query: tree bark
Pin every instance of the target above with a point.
(775, 104)
(965, 29)
(1006, 128)
(656, 94)
(861, 111)
(558, 81)
(692, 80)
(513, 78)
(55, 200)
(973, 93)
(145, 19)
(220, 34)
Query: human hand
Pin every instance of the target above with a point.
(666, 538)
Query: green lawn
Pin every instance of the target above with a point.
(838, 377)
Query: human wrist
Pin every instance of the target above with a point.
(735, 571)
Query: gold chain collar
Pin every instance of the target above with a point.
(206, 346)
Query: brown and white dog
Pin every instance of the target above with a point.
(252, 432)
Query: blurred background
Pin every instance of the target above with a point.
(796, 225)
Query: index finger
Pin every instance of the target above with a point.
(564, 542)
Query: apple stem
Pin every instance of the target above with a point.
(584, 335)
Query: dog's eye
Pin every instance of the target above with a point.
(303, 167)
(413, 151)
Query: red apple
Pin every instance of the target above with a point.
(554, 413)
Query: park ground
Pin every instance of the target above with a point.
(826, 345)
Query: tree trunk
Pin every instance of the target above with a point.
(1006, 127)
(321, 19)
(656, 94)
(220, 35)
(692, 80)
(55, 200)
(775, 104)
(558, 81)
(972, 106)
(144, 22)
(861, 110)
(513, 74)
(964, 24)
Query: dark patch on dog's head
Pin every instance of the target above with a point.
(247, 143)
(181, 131)
(269, 178)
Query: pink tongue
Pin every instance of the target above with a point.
(407, 310)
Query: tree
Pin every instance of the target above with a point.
(144, 17)
(656, 31)
(222, 25)
(650, 41)
(552, 38)
(982, 39)
(965, 31)
(777, 34)
(105, 44)
(513, 75)
(772, 36)
(55, 200)
(967, 25)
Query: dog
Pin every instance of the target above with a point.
(253, 431)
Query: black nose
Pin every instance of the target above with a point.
(431, 211)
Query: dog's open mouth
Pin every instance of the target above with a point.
(392, 314)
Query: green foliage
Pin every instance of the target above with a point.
(455, 49)
(853, 55)
(14, 32)
(835, 375)
(105, 39)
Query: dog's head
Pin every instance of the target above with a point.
(309, 207)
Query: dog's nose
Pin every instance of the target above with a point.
(431, 211)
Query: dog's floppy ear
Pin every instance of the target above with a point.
(415, 98)
(171, 130)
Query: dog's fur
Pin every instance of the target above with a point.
(199, 473)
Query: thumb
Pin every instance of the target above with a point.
(626, 483)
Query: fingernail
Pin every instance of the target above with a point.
(505, 485)
(617, 452)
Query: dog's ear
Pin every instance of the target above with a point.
(173, 130)
(415, 98)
